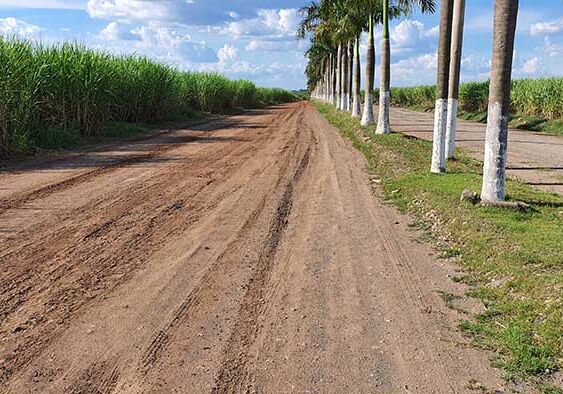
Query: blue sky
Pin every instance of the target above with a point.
(255, 39)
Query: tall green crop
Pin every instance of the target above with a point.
(66, 90)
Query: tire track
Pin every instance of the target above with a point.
(233, 376)
(128, 225)
(210, 284)
(99, 378)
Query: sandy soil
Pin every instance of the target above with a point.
(534, 158)
(246, 255)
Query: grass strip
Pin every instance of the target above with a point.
(512, 260)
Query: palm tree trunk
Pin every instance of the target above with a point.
(334, 79)
(383, 126)
(367, 115)
(339, 77)
(327, 81)
(441, 109)
(356, 105)
(455, 67)
(344, 98)
(496, 137)
(350, 74)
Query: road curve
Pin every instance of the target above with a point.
(245, 255)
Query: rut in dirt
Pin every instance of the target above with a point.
(258, 261)
(234, 376)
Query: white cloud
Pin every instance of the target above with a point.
(257, 45)
(52, 4)
(531, 66)
(130, 10)
(268, 23)
(227, 53)
(171, 45)
(544, 28)
(409, 71)
(115, 31)
(410, 33)
(11, 26)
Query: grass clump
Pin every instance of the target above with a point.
(513, 260)
(51, 96)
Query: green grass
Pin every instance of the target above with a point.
(512, 260)
(522, 122)
(52, 96)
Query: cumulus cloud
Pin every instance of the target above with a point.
(44, 4)
(227, 53)
(267, 23)
(164, 43)
(412, 33)
(544, 28)
(115, 31)
(130, 10)
(415, 70)
(11, 26)
(197, 13)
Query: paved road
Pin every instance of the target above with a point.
(245, 255)
(535, 158)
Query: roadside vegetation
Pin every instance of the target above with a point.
(54, 96)
(535, 104)
(511, 260)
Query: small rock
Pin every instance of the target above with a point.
(470, 196)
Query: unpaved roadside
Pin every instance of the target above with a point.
(245, 255)
(534, 158)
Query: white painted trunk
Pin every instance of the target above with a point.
(356, 106)
(367, 115)
(383, 125)
(439, 138)
(494, 168)
(451, 128)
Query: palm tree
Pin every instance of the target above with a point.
(389, 7)
(496, 137)
(383, 126)
(339, 76)
(351, 45)
(356, 104)
(455, 66)
(441, 109)
(367, 115)
(345, 96)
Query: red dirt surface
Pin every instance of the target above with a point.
(245, 255)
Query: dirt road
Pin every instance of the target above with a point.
(248, 254)
(533, 158)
